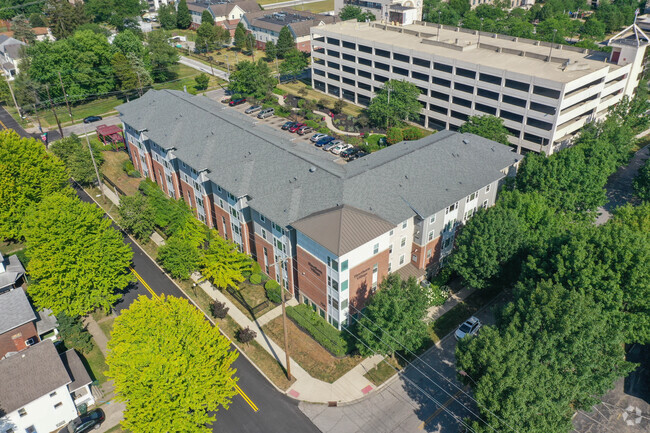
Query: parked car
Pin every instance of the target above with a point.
(288, 125)
(237, 101)
(340, 148)
(314, 138)
(305, 130)
(84, 423)
(349, 151)
(296, 127)
(357, 155)
(253, 109)
(267, 112)
(468, 327)
(324, 140)
(91, 119)
(331, 145)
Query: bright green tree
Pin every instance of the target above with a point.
(137, 216)
(490, 127)
(351, 12)
(28, 174)
(206, 36)
(183, 17)
(64, 17)
(634, 217)
(285, 43)
(593, 28)
(76, 156)
(294, 63)
(393, 319)
(642, 182)
(240, 36)
(252, 79)
(162, 55)
(270, 51)
(395, 102)
(78, 261)
(551, 353)
(127, 42)
(74, 333)
(179, 257)
(170, 366)
(167, 17)
(223, 264)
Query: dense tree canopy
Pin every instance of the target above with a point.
(76, 156)
(223, 264)
(490, 127)
(64, 17)
(351, 12)
(183, 17)
(28, 174)
(285, 43)
(167, 17)
(170, 366)
(642, 182)
(295, 61)
(162, 55)
(252, 79)
(78, 261)
(395, 102)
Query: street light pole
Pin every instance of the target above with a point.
(439, 26)
(284, 317)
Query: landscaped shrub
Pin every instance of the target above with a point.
(246, 335)
(394, 135)
(255, 279)
(256, 269)
(321, 331)
(219, 310)
(273, 291)
(129, 169)
(282, 111)
(411, 133)
(279, 91)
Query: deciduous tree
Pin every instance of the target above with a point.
(167, 17)
(137, 216)
(206, 17)
(78, 261)
(64, 17)
(76, 156)
(170, 366)
(252, 79)
(179, 257)
(202, 80)
(395, 102)
(393, 319)
(223, 264)
(162, 55)
(28, 174)
(270, 51)
(490, 127)
(642, 182)
(128, 42)
(294, 63)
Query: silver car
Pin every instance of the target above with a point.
(253, 109)
(267, 112)
(314, 138)
(332, 145)
(468, 327)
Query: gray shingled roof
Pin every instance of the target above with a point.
(75, 368)
(14, 269)
(15, 310)
(288, 181)
(260, 20)
(343, 228)
(30, 374)
(225, 8)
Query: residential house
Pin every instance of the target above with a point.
(266, 25)
(228, 15)
(327, 232)
(10, 54)
(37, 387)
(12, 272)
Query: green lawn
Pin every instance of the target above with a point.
(95, 364)
(383, 371)
(107, 326)
(317, 7)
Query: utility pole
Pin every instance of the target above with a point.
(277, 68)
(387, 108)
(36, 111)
(284, 317)
(65, 95)
(14, 98)
(92, 157)
(209, 58)
(47, 87)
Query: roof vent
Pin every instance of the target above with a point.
(406, 176)
(312, 169)
(465, 141)
(295, 178)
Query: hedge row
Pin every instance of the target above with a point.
(321, 331)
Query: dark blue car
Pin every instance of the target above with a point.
(323, 141)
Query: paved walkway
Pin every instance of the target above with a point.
(454, 299)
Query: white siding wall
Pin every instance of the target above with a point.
(42, 415)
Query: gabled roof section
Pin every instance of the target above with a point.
(75, 368)
(343, 228)
(15, 310)
(30, 374)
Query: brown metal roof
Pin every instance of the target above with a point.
(343, 228)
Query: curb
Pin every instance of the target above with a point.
(188, 297)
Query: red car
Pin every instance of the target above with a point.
(234, 102)
(296, 127)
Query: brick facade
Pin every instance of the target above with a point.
(361, 278)
(421, 253)
(14, 340)
(312, 277)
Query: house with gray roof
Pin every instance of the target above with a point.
(12, 272)
(34, 394)
(327, 232)
(11, 51)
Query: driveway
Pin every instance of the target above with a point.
(82, 128)
(426, 396)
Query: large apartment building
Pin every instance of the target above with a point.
(544, 92)
(326, 231)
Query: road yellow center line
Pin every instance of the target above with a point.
(3, 125)
(237, 388)
(439, 410)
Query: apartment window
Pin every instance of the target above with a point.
(442, 67)
(403, 242)
(382, 53)
(390, 267)
(221, 203)
(365, 49)
(263, 234)
(344, 286)
(539, 124)
(422, 62)
(451, 208)
(262, 218)
(349, 57)
(333, 53)
(344, 266)
(545, 91)
(332, 41)
(439, 95)
(365, 61)
(419, 76)
(485, 108)
(414, 258)
(492, 79)
(382, 66)
(22, 412)
(53, 394)
(335, 285)
(390, 249)
(428, 253)
(277, 227)
(400, 71)
(430, 237)
(450, 225)
(344, 304)
(405, 224)
(487, 188)
(466, 73)
(469, 214)
(375, 249)
(514, 101)
(441, 82)
(380, 78)
(390, 233)
(471, 197)
(401, 58)
(375, 268)
(58, 405)
(485, 204)
(350, 45)
(432, 219)
(401, 259)
(335, 265)
(335, 304)
(462, 102)
(438, 109)
(334, 77)
(459, 115)
(446, 243)
(199, 201)
(511, 116)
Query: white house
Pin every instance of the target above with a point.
(10, 53)
(35, 389)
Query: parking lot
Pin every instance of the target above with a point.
(276, 122)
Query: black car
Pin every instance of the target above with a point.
(349, 152)
(288, 125)
(356, 155)
(91, 420)
(91, 119)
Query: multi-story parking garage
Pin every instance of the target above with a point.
(544, 92)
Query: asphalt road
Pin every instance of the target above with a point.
(8, 122)
(277, 412)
